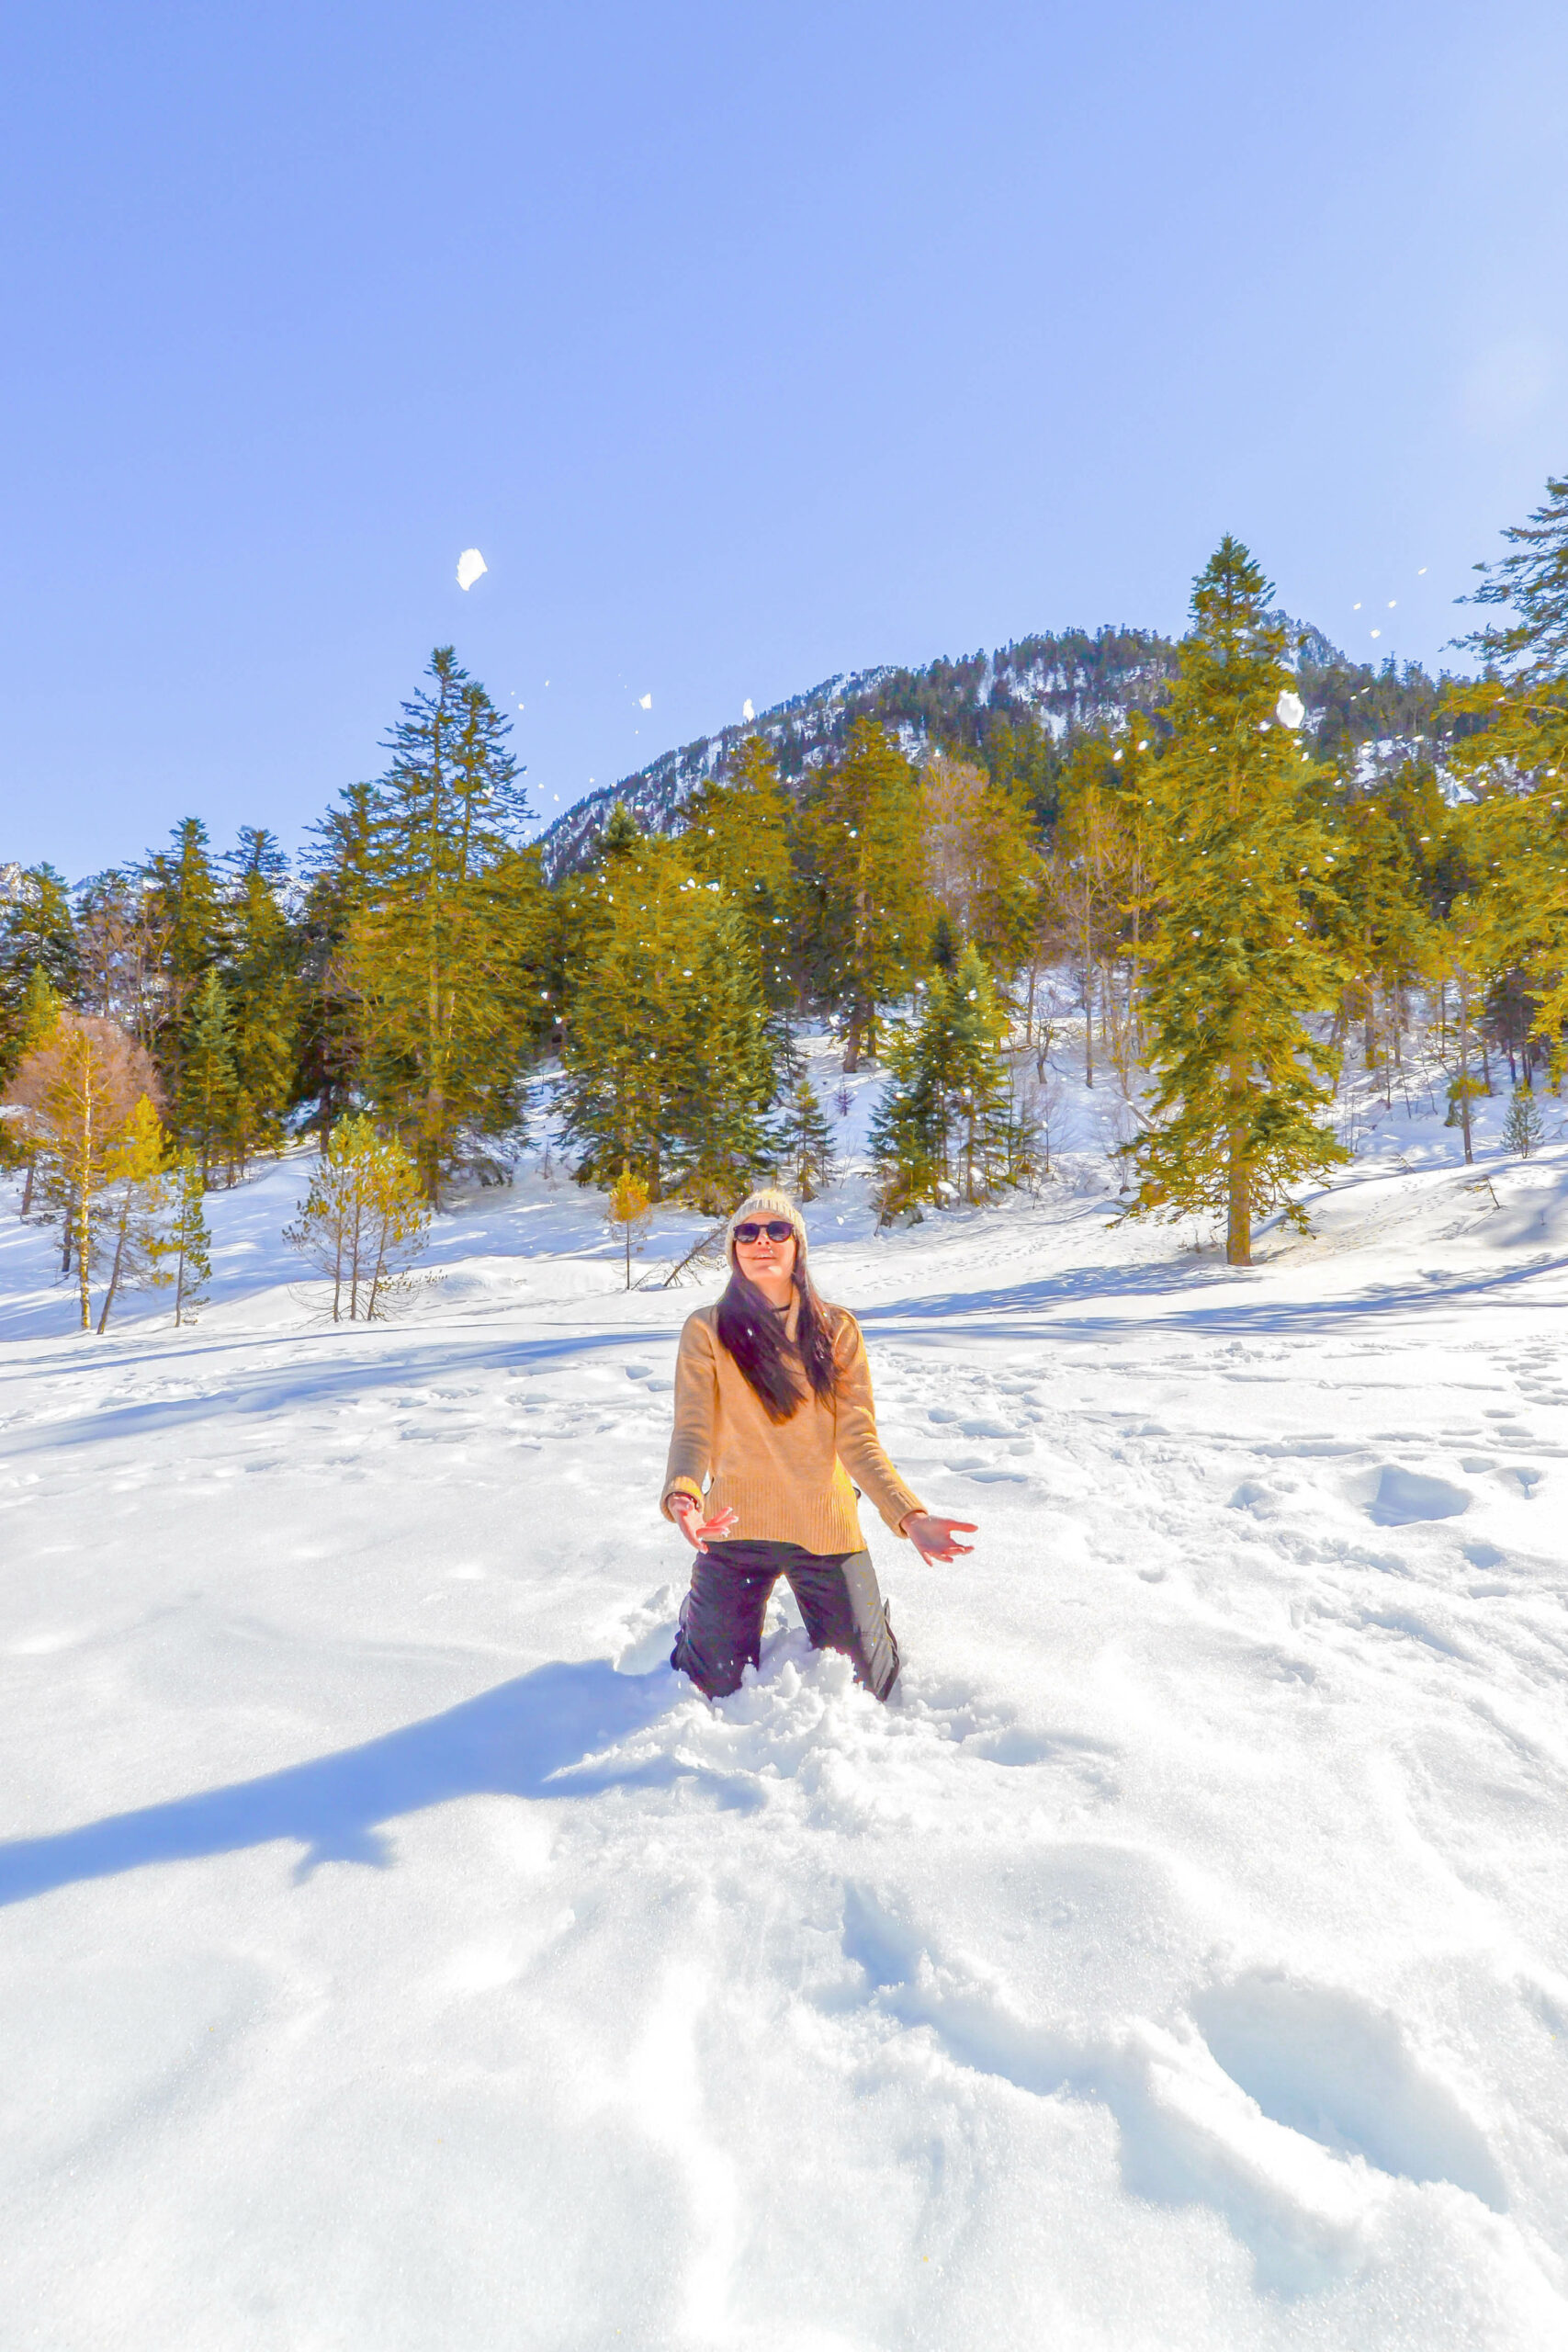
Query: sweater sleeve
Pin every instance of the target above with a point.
(859, 1447)
(696, 1402)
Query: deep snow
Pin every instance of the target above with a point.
(396, 1954)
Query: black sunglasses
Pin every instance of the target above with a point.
(777, 1228)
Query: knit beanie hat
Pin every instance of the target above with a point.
(758, 1207)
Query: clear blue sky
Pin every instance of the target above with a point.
(747, 343)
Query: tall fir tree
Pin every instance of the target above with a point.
(37, 936)
(433, 952)
(868, 915)
(339, 866)
(261, 985)
(185, 915)
(738, 834)
(1513, 752)
(941, 1132)
(208, 1096)
(670, 1062)
(1238, 967)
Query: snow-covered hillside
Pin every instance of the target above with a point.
(395, 1955)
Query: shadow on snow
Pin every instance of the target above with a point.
(522, 1739)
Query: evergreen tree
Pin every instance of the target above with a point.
(806, 1140)
(945, 1129)
(136, 1192)
(189, 1239)
(1237, 968)
(868, 917)
(262, 997)
(38, 941)
(340, 866)
(184, 913)
(441, 976)
(1532, 648)
(1524, 1130)
(668, 1058)
(1379, 924)
(738, 834)
(1511, 746)
(36, 1019)
(208, 1089)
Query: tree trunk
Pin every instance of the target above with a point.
(84, 1253)
(1464, 1072)
(1239, 1232)
(853, 1041)
(114, 1272)
(1089, 1001)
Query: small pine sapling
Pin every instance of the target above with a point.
(190, 1239)
(627, 1211)
(808, 1141)
(1524, 1130)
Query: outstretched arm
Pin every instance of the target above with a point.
(932, 1536)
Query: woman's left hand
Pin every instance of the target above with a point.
(933, 1537)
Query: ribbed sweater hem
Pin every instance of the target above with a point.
(823, 1526)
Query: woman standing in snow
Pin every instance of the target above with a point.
(773, 1398)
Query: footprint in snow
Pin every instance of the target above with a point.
(1393, 1496)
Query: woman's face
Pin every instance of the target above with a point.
(766, 1262)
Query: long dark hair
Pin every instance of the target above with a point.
(754, 1333)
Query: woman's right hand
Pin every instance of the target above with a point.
(687, 1513)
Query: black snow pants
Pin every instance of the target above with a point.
(721, 1617)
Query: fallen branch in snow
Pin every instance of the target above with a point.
(693, 1262)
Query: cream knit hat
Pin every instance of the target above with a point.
(760, 1207)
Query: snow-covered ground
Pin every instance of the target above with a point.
(396, 1954)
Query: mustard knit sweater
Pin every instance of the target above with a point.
(787, 1482)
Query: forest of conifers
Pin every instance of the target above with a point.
(1242, 887)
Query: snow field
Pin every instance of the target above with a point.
(396, 1954)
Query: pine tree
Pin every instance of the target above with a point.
(1238, 969)
(189, 1239)
(338, 863)
(806, 1140)
(1379, 923)
(1512, 747)
(1533, 647)
(434, 957)
(739, 835)
(945, 1128)
(670, 1062)
(36, 1019)
(185, 915)
(262, 994)
(37, 946)
(867, 915)
(1524, 1130)
(137, 1191)
(208, 1089)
